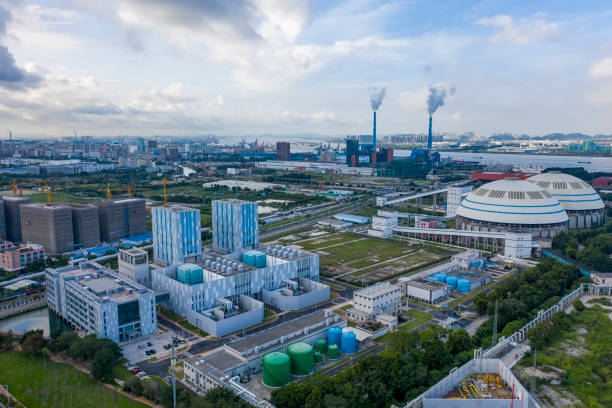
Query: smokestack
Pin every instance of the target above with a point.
(374, 132)
(429, 138)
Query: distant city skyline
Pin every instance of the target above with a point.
(249, 67)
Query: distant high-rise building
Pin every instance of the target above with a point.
(283, 151)
(49, 225)
(3, 235)
(326, 156)
(151, 145)
(177, 235)
(12, 215)
(235, 224)
(352, 152)
(85, 225)
(173, 153)
(140, 145)
(121, 218)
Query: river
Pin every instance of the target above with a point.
(35, 319)
(589, 163)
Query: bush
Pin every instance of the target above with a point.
(578, 305)
(134, 385)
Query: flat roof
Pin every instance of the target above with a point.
(276, 332)
(425, 284)
(377, 289)
(101, 285)
(221, 360)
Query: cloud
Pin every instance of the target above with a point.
(522, 31)
(320, 116)
(601, 69)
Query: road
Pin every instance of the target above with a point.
(352, 361)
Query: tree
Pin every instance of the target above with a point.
(102, 365)
(133, 385)
(458, 340)
(436, 355)
(34, 343)
(540, 335)
(151, 391)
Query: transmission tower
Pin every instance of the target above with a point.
(494, 326)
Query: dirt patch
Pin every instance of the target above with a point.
(546, 372)
(551, 396)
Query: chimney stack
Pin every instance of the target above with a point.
(429, 138)
(374, 132)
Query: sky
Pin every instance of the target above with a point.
(290, 67)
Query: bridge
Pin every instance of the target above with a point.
(382, 201)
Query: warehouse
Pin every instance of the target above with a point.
(355, 219)
(425, 290)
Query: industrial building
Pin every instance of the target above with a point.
(96, 301)
(176, 235)
(121, 218)
(3, 235)
(454, 196)
(85, 225)
(283, 151)
(235, 225)
(225, 292)
(381, 298)
(133, 264)
(280, 353)
(512, 205)
(12, 215)
(425, 290)
(581, 202)
(352, 218)
(49, 225)
(316, 167)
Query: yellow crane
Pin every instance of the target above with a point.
(129, 190)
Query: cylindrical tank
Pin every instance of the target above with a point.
(276, 369)
(207, 263)
(349, 343)
(333, 352)
(321, 345)
(463, 285)
(441, 277)
(301, 357)
(452, 281)
(333, 335)
(318, 357)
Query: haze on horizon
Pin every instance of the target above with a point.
(285, 67)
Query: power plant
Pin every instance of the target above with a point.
(429, 137)
(374, 132)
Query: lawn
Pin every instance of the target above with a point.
(38, 382)
(363, 249)
(584, 351)
(325, 241)
(419, 316)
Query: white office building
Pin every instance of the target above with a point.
(177, 236)
(235, 225)
(134, 265)
(381, 298)
(96, 301)
(454, 197)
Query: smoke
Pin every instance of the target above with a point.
(437, 93)
(376, 97)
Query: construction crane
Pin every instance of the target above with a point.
(48, 195)
(129, 190)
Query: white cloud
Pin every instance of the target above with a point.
(601, 69)
(414, 101)
(320, 116)
(521, 31)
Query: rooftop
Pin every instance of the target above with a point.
(101, 284)
(220, 360)
(425, 284)
(378, 289)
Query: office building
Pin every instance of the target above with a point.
(235, 224)
(352, 152)
(96, 301)
(49, 225)
(454, 197)
(134, 265)
(85, 225)
(140, 145)
(381, 298)
(12, 215)
(283, 151)
(121, 218)
(15, 257)
(3, 235)
(176, 235)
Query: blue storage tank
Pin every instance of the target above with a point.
(441, 277)
(260, 260)
(463, 285)
(452, 281)
(333, 335)
(349, 343)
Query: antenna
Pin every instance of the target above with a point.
(164, 184)
(14, 188)
(48, 195)
(108, 192)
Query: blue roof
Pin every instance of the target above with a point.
(140, 237)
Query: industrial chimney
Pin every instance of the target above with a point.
(374, 132)
(429, 138)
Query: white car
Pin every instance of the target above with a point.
(141, 374)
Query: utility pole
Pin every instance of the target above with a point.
(494, 325)
(532, 384)
(173, 363)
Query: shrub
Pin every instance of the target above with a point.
(578, 305)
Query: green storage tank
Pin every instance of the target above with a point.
(318, 357)
(190, 274)
(276, 369)
(321, 346)
(333, 352)
(301, 357)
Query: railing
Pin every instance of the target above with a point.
(9, 308)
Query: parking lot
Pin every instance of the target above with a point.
(154, 345)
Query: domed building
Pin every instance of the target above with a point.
(582, 203)
(512, 205)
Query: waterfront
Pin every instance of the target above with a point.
(35, 319)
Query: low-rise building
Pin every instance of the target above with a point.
(14, 257)
(134, 265)
(96, 301)
(381, 298)
(425, 290)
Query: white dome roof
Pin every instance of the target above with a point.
(573, 194)
(512, 201)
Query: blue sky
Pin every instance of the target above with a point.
(285, 67)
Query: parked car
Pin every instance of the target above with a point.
(149, 344)
(141, 374)
(136, 371)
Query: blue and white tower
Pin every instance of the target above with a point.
(235, 224)
(176, 235)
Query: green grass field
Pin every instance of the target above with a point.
(420, 317)
(38, 382)
(363, 249)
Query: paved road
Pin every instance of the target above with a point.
(352, 361)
